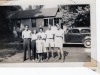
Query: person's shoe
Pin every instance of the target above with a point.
(58, 58)
(38, 61)
(47, 59)
(62, 60)
(41, 60)
(33, 60)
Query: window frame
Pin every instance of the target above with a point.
(33, 23)
(48, 21)
(44, 22)
(72, 32)
(75, 33)
(56, 21)
(85, 33)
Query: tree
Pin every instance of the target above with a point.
(75, 15)
(5, 13)
(83, 18)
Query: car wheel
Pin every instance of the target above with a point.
(87, 43)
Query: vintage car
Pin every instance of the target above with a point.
(80, 35)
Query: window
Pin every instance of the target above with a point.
(75, 31)
(18, 23)
(56, 21)
(85, 31)
(33, 21)
(45, 22)
(51, 22)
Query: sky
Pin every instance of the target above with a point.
(25, 3)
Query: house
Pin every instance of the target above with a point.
(36, 18)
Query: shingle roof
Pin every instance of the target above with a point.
(49, 12)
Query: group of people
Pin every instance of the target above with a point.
(42, 42)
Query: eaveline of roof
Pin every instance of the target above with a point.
(41, 13)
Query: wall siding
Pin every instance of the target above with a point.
(26, 22)
(39, 21)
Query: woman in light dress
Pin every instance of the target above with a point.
(39, 46)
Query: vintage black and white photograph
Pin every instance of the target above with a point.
(45, 33)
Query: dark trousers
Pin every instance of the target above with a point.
(33, 45)
(27, 46)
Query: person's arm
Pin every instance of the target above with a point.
(53, 35)
(30, 33)
(62, 34)
(31, 37)
(36, 43)
(23, 35)
(45, 34)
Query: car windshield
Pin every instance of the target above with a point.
(75, 31)
(85, 31)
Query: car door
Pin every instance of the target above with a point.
(73, 36)
(76, 36)
(67, 35)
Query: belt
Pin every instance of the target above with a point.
(27, 38)
(33, 39)
(42, 39)
(58, 36)
(49, 38)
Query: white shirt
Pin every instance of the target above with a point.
(59, 32)
(54, 28)
(33, 36)
(42, 35)
(26, 34)
(49, 34)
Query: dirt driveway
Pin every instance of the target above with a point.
(13, 53)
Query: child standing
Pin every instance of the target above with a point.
(39, 46)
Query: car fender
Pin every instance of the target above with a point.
(86, 38)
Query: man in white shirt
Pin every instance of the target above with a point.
(49, 41)
(26, 36)
(59, 42)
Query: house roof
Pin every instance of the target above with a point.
(59, 15)
(47, 12)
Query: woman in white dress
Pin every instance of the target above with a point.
(39, 45)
